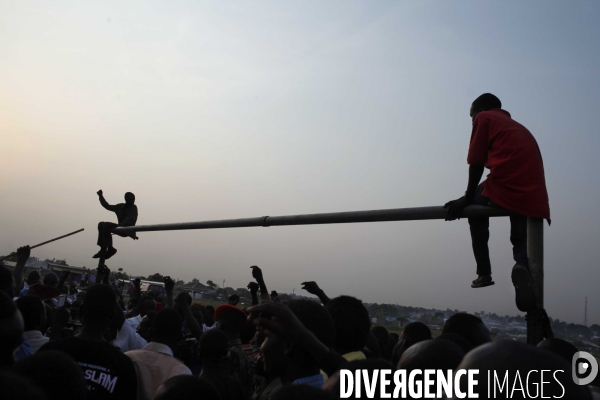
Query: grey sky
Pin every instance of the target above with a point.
(210, 110)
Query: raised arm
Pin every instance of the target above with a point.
(104, 202)
(253, 288)
(257, 274)
(288, 326)
(312, 288)
(22, 257)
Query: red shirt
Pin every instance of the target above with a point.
(516, 180)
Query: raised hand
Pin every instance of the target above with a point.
(253, 287)
(311, 287)
(99, 192)
(23, 254)
(257, 273)
(169, 284)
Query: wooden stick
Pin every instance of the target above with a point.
(47, 241)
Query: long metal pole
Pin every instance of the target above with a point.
(535, 258)
(43, 243)
(394, 214)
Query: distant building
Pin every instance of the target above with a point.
(76, 272)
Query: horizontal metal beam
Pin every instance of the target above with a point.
(394, 214)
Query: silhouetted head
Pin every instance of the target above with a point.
(373, 347)
(7, 282)
(352, 323)
(332, 385)
(33, 278)
(17, 387)
(507, 358)
(485, 102)
(50, 279)
(56, 373)
(230, 319)
(301, 392)
(166, 327)
(560, 347)
(414, 332)
(129, 198)
(469, 327)
(459, 340)
(233, 299)
(33, 311)
(209, 315)
(431, 354)
(11, 329)
(385, 341)
(146, 304)
(213, 346)
(186, 387)
(98, 305)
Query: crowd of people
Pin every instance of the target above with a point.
(97, 347)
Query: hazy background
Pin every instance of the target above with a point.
(211, 110)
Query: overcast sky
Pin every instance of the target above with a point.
(214, 110)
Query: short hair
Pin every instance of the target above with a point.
(50, 279)
(32, 309)
(144, 302)
(56, 373)
(166, 324)
(431, 354)
(17, 387)
(559, 347)
(98, 304)
(301, 392)
(129, 194)
(486, 102)
(213, 345)
(33, 277)
(457, 339)
(468, 326)
(315, 318)
(6, 280)
(186, 387)
(232, 321)
(352, 323)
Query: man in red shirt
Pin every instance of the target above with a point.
(516, 182)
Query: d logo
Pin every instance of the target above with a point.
(589, 365)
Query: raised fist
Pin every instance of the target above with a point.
(257, 273)
(99, 192)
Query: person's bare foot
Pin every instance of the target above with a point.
(482, 281)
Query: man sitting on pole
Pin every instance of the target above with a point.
(516, 182)
(127, 214)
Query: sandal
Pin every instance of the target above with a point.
(482, 282)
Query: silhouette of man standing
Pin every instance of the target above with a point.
(127, 214)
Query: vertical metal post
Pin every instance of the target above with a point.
(535, 257)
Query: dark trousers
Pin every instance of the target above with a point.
(104, 234)
(480, 234)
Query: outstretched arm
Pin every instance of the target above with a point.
(257, 274)
(104, 202)
(288, 326)
(455, 207)
(312, 288)
(253, 288)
